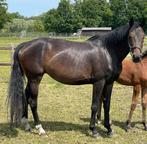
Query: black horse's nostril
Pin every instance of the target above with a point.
(136, 59)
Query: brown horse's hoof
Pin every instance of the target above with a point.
(128, 126)
(145, 126)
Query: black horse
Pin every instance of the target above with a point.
(95, 62)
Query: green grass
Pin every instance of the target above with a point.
(12, 41)
(65, 113)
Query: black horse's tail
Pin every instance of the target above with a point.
(16, 95)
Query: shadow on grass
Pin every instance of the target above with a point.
(11, 132)
(7, 131)
(120, 124)
(65, 126)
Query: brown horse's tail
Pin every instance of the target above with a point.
(16, 95)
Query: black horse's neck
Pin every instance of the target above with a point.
(117, 42)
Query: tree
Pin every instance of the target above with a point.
(91, 13)
(60, 20)
(65, 16)
(3, 13)
(50, 20)
(137, 9)
(78, 19)
(119, 11)
(15, 15)
(38, 26)
(123, 10)
(19, 25)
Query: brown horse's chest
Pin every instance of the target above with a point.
(140, 74)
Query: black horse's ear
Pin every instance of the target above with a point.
(142, 24)
(131, 22)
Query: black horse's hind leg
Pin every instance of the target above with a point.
(99, 110)
(25, 113)
(97, 93)
(107, 98)
(34, 86)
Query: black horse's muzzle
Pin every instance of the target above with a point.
(136, 54)
(136, 58)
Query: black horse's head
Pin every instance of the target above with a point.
(136, 38)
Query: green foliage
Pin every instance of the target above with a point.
(125, 9)
(51, 21)
(20, 25)
(38, 26)
(15, 15)
(3, 13)
(69, 16)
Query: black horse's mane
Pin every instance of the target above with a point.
(95, 37)
(115, 35)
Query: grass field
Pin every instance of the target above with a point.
(65, 111)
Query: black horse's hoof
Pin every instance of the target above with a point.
(110, 133)
(145, 128)
(28, 130)
(95, 133)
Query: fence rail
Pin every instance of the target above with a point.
(5, 48)
(12, 51)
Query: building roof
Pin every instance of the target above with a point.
(95, 28)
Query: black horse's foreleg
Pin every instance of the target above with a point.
(107, 98)
(97, 93)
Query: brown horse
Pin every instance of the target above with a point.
(90, 62)
(134, 74)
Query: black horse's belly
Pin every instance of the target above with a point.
(114, 74)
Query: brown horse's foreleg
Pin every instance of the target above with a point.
(136, 91)
(34, 86)
(97, 93)
(144, 105)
